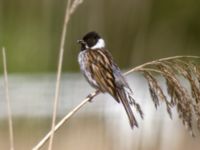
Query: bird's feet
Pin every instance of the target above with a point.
(92, 95)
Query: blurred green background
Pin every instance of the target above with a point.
(135, 31)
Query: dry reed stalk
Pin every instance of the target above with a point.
(69, 11)
(10, 123)
(157, 94)
(61, 122)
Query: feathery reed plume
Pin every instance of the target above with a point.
(181, 98)
(10, 123)
(185, 100)
(156, 92)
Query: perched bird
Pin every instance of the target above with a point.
(102, 73)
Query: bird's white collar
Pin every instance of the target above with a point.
(99, 44)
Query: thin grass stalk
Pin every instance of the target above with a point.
(61, 122)
(57, 89)
(70, 9)
(158, 61)
(10, 122)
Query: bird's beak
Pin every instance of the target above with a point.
(80, 42)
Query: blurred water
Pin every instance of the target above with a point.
(99, 125)
(35, 93)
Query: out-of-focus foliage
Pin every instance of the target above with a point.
(135, 31)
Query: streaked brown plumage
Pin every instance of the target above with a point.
(102, 73)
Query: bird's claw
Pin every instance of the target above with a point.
(90, 97)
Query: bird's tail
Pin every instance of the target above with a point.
(122, 96)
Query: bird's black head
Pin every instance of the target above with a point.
(91, 40)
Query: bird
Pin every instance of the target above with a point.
(102, 73)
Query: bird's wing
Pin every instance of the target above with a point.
(102, 71)
(109, 79)
(119, 78)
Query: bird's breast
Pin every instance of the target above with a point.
(84, 62)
